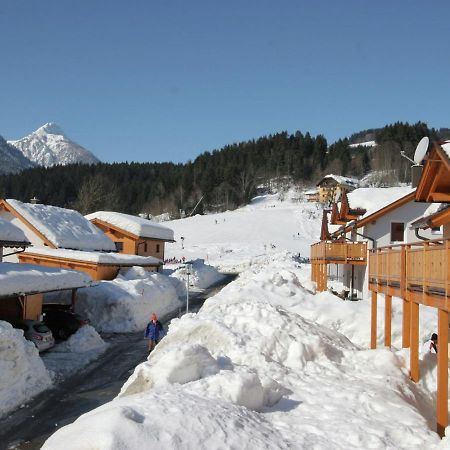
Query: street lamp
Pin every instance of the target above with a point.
(188, 268)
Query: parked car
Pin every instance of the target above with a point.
(63, 322)
(36, 332)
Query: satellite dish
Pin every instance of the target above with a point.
(421, 150)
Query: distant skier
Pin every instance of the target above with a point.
(431, 345)
(154, 332)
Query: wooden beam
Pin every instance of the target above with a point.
(406, 324)
(373, 324)
(387, 320)
(439, 197)
(442, 375)
(414, 371)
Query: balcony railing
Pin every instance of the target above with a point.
(418, 267)
(340, 252)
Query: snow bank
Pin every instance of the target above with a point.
(124, 305)
(202, 275)
(23, 374)
(251, 351)
(29, 278)
(133, 224)
(67, 357)
(10, 233)
(65, 228)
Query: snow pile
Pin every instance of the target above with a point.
(64, 228)
(10, 233)
(28, 278)
(96, 257)
(124, 304)
(135, 225)
(84, 340)
(23, 374)
(202, 275)
(251, 353)
(68, 357)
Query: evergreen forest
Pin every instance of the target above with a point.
(222, 179)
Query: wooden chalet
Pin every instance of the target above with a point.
(332, 186)
(63, 238)
(133, 235)
(419, 273)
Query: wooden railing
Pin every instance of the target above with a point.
(419, 266)
(339, 252)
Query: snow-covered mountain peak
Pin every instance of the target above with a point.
(49, 146)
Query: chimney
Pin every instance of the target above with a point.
(34, 200)
(416, 173)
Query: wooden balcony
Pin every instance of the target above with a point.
(420, 270)
(328, 252)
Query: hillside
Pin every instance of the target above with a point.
(11, 159)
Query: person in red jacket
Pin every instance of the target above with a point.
(153, 332)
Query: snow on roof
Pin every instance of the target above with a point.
(65, 228)
(133, 224)
(28, 279)
(312, 192)
(446, 148)
(11, 234)
(373, 199)
(96, 257)
(364, 144)
(342, 180)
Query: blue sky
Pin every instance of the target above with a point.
(167, 80)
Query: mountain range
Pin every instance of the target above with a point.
(48, 146)
(12, 159)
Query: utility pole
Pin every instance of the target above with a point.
(188, 267)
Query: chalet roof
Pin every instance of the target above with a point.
(436, 215)
(17, 279)
(132, 224)
(12, 236)
(373, 199)
(312, 192)
(341, 180)
(120, 259)
(62, 228)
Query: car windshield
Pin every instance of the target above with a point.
(41, 328)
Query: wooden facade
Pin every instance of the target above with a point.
(21, 307)
(97, 271)
(419, 273)
(131, 244)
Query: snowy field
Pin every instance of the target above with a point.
(267, 363)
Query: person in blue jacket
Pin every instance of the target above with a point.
(154, 332)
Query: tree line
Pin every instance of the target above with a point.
(223, 179)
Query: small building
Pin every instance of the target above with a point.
(64, 238)
(332, 186)
(312, 195)
(133, 235)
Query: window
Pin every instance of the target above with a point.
(436, 230)
(145, 247)
(157, 248)
(397, 231)
(119, 246)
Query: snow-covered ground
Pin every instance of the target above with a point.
(266, 363)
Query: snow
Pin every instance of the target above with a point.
(96, 257)
(125, 304)
(202, 275)
(342, 180)
(267, 362)
(364, 144)
(23, 374)
(133, 224)
(11, 234)
(49, 146)
(251, 371)
(27, 278)
(373, 199)
(64, 228)
(446, 148)
(67, 357)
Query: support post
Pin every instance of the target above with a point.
(406, 324)
(373, 325)
(387, 320)
(414, 371)
(442, 375)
